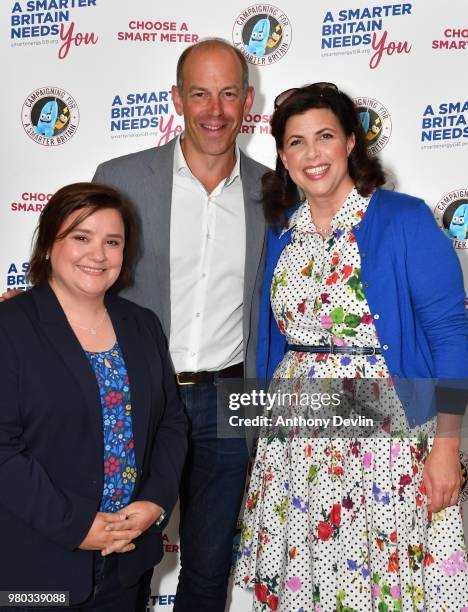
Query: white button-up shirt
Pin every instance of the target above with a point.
(207, 257)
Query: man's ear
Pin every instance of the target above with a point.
(177, 100)
(249, 99)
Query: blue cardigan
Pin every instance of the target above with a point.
(413, 283)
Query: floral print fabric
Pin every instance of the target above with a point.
(341, 524)
(119, 456)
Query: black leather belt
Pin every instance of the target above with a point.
(193, 378)
(336, 350)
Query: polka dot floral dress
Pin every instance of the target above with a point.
(341, 523)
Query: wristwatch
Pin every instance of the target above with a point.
(161, 518)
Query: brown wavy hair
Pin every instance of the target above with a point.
(89, 198)
(279, 191)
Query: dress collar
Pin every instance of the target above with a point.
(350, 212)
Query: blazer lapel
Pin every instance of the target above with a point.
(159, 187)
(61, 336)
(255, 234)
(128, 336)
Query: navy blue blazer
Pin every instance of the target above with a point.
(51, 441)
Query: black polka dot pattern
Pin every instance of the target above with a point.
(342, 523)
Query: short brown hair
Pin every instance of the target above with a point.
(88, 197)
(207, 43)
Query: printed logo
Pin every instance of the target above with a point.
(361, 30)
(446, 124)
(452, 216)
(256, 124)
(169, 547)
(50, 21)
(376, 123)
(160, 600)
(50, 116)
(16, 276)
(145, 113)
(145, 30)
(30, 202)
(453, 38)
(262, 33)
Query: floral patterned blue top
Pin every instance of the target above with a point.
(119, 456)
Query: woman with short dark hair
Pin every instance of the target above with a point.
(359, 284)
(87, 198)
(92, 432)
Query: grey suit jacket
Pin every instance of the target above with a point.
(146, 179)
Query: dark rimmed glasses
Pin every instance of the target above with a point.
(322, 87)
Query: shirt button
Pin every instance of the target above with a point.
(365, 285)
(385, 347)
(197, 314)
(376, 316)
(204, 275)
(363, 254)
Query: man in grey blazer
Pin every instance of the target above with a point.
(200, 271)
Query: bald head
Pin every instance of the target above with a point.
(207, 45)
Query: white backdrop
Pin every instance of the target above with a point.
(100, 72)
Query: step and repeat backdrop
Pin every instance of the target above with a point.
(87, 80)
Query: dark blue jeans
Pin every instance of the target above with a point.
(108, 594)
(210, 499)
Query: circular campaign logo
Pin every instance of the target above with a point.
(376, 123)
(262, 33)
(451, 213)
(50, 116)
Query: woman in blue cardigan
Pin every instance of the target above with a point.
(359, 284)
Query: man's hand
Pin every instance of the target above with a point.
(117, 540)
(9, 294)
(139, 516)
(442, 475)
